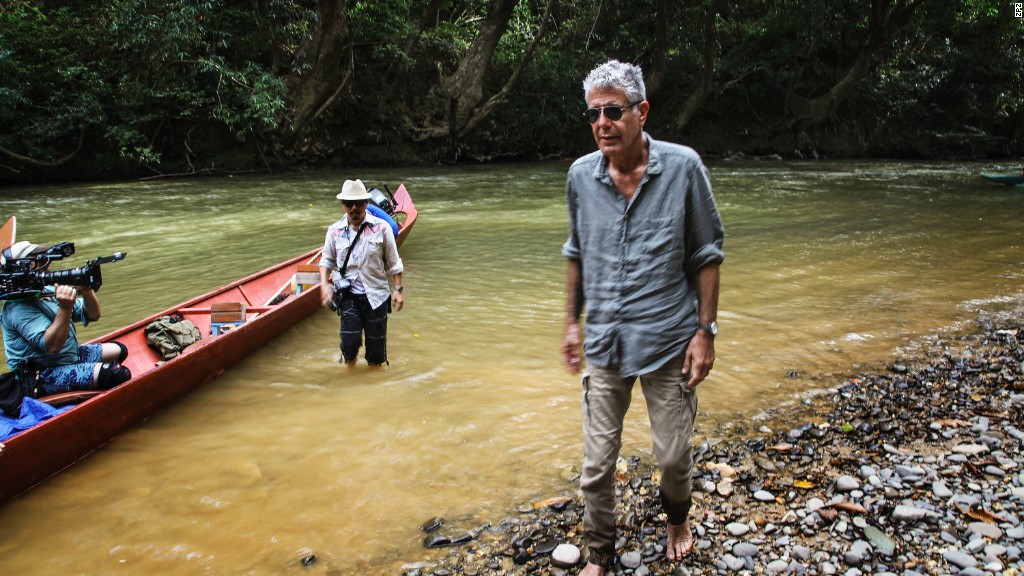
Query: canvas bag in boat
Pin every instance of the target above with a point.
(170, 335)
(14, 387)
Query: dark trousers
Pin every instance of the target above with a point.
(358, 318)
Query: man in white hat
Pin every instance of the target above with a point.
(360, 252)
(39, 332)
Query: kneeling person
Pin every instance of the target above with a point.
(40, 331)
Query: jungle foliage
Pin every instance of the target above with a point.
(133, 87)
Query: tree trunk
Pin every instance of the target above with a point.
(481, 112)
(465, 87)
(656, 75)
(884, 21)
(398, 69)
(707, 78)
(327, 57)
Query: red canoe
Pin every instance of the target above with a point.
(44, 450)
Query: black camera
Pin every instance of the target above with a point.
(26, 277)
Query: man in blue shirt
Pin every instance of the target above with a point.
(40, 330)
(644, 249)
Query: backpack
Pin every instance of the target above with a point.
(14, 387)
(170, 335)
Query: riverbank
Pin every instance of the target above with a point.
(915, 469)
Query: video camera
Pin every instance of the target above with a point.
(25, 277)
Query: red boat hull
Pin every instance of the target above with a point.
(36, 454)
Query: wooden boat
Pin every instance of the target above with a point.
(52, 445)
(1007, 179)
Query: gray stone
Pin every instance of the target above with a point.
(737, 528)
(802, 553)
(985, 529)
(940, 490)
(764, 496)
(858, 553)
(847, 484)
(745, 550)
(994, 551)
(879, 541)
(631, 559)
(903, 512)
(970, 449)
(960, 559)
(565, 556)
(733, 563)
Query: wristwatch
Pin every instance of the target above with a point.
(710, 327)
(400, 289)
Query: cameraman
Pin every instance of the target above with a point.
(40, 331)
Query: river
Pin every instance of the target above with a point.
(831, 267)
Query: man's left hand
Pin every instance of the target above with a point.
(397, 300)
(700, 357)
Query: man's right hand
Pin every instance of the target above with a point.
(326, 295)
(65, 296)
(571, 348)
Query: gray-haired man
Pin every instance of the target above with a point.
(644, 249)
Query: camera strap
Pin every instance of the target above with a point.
(352, 247)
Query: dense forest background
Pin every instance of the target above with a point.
(135, 88)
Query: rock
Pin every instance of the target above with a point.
(745, 550)
(847, 484)
(565, 556)
(737, 528)
(910, 513)
(436, 541)
(985, 529)
(940, 490)
(432, 525)
(630, 559)
(879, 541)
(970, 449)
(858, 553)
(960, 559)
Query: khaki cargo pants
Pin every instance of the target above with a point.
(671, 408)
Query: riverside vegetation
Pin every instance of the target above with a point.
(130, 89)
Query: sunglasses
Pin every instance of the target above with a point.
(351, 203)
(613, 113)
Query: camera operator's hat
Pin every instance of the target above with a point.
(20, 250)
(353, 191)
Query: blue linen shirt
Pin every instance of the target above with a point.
(24, 324)
(639, 259)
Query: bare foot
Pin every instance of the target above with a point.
(592, 570)
(680, 541)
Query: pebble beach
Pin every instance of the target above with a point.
(917, 468)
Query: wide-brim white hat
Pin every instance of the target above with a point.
(354, 191)
(20, 250)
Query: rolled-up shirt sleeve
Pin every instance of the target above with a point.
(705, 233)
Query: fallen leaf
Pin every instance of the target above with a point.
(827, 514)
(992, 415)
(783, 447)
(551, 502)
(805, 484)
(951, 422)
(981, 515)
(849, 507)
